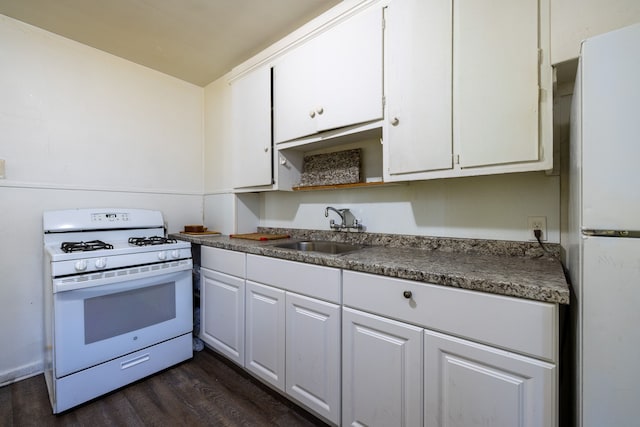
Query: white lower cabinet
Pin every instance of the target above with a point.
(313, 354)
(360, 349)
(265, 333)
(293, 331)
(381, 371)
(406, 374)
(222, 297)
(470, 384)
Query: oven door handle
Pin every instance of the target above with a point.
(119, 277)
(94, 290)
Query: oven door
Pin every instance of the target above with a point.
(97, 324)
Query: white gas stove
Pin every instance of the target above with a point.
(118, 301)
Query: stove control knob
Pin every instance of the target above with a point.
(81, 265)
(162, 255)
(175, 253)
(101, 263)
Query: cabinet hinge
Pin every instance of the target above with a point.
(540, 56)
(384, 101)
(456, 159)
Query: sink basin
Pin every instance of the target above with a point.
(320, 246)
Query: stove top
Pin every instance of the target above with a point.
(122, 254)
(113, 248)
(96, 245)
(83, 241)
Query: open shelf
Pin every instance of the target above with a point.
(340, 186)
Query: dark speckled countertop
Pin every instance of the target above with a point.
(518, 269)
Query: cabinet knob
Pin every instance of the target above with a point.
(283, 161)
(312, 114)
(319, 110)
(407, 294)
(266, 149)
(394, 121)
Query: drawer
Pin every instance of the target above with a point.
(223, 260)
(84, 385)
(306, 279)
(523, 326)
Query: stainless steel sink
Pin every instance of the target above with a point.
(322, 246)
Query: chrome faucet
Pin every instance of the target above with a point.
(347, 220)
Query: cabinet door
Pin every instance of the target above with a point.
(294, 93)
(222, 313)
(313, 354)
(331, 81)
(251, 127)
(469, 384)
(265, 333)
(495, 81)
(349, 72)
(382, 371)
(418, 63)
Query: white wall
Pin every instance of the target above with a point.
(488, 207)
(81, 128)
(217, 149)
(72, 115)
(574, 20)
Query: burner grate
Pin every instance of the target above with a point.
(149, 241)
(93, 245)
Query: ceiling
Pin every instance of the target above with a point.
(194, 40)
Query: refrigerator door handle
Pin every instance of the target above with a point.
(611, 233)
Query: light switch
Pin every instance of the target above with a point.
(1, 168)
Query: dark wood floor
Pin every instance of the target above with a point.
(204, 391)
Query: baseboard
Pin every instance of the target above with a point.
(21, 373)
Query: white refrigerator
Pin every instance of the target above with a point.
(603, 254)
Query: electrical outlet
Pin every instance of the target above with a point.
(537, 223)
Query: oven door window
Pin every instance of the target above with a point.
(111, 315)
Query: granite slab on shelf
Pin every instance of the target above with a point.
(341, 167)
(517, 269)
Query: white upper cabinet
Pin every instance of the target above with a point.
(251, 129)
(458, 89)
(331, 81)
(418, 87)
(468, 88)
(496, 81)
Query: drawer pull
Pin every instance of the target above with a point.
(407, 294)
(133, 362)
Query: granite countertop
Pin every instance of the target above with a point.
(518, 269)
